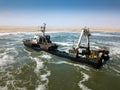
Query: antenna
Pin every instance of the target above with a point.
(43, 29)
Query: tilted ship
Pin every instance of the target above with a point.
(40, 42)
(82, 53)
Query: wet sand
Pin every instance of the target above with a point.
(6, 29)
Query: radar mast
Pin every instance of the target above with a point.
(43, 28)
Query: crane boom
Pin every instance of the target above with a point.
(86, 33)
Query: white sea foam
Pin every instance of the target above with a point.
(9, 75)
(114, 48)
(113, 43)
(64, 43)
(9, 44)
(118, 65)
(29, 53)
(15, 88)
(15, 33)
(117, 71)
(115, 51)
(61, 62)
(41, 87)
(8, 58)
(45, 80)
(82, 66)
(39, 64)
(24, 88)
(11, 82)
(46, 56)
(44, 77)
(4, 88)
(76, 65)
(11, 33)
(104, 34)
(2, 34)
(85, 78)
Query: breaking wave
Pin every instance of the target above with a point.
(105, 34)
(72, 64)
(64, 44)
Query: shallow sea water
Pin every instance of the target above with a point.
(24, 69)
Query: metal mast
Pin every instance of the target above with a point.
(43, 29)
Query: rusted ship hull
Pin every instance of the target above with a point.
(71, 57)
(79, 54)
(39, 47)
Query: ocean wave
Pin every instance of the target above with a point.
(29, 53)
(4, 88)
(64, 43)
(15, 33)
(115, 51)
(105, 35)
(115, 70)
(39, 64)
(113, 43)
(44, 79)
(8, 34)
(64, 49)
(44, 76)
(118, 65)
(85, 78)
(41, 87)
(8, 56)
(11, 83)
(41, 67)
(76, 65)
(46, 56)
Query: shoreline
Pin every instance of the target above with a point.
(8, 29)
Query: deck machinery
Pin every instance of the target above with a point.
(81, 53)
(98, 55)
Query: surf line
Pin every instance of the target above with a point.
(85, 78)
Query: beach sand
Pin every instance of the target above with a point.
(6, 29)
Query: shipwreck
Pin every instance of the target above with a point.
(81, 53)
